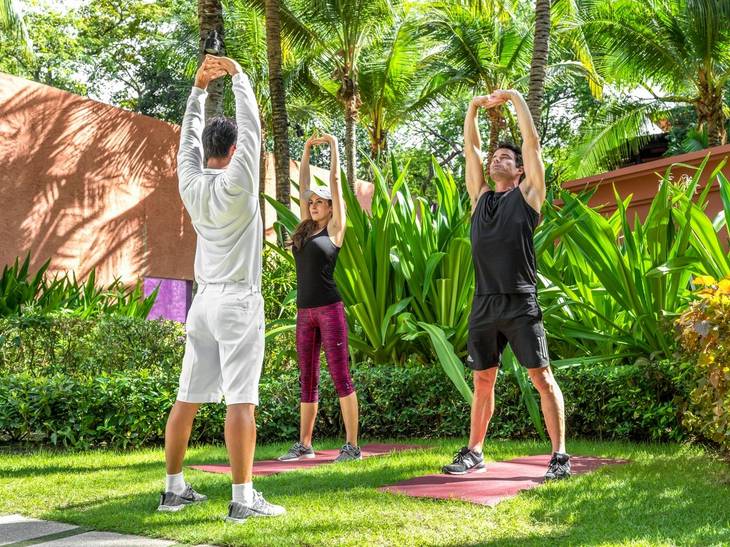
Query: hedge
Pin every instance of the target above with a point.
(129, 409)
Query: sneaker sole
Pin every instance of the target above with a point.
(305, 457)
(348, 460)
(253, 516)
(480, 468)
(171, 508)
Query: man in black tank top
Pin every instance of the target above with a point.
(505, 308)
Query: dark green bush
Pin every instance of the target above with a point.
(130, 408)
(44, 345)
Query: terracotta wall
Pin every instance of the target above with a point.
(642, 180)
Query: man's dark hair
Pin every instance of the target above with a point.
(516, 149)
(218, 137)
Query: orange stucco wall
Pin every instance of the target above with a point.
(641, 181)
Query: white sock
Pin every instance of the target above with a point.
(243, 493)
(175, 483)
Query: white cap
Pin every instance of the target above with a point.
(321, 191)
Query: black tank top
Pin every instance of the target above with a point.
(502, 248)
(316, 262)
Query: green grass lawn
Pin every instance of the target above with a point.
(667, 495)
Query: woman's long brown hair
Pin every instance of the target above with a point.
(304, 231)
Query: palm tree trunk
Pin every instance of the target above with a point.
(540, 50)
(210, 17)
(262, 170)
(350, 99)
(280, 122)
(378, 140)
(350, 145)
(709, 111)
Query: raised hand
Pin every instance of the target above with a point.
(229, 65)
(207, 72)
(316, 139)
(494, 99)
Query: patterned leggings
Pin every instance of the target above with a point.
(324, 325)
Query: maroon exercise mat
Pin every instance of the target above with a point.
(269, 467)
(500, 481)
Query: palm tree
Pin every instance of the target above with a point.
(210, 18)
(540, 50)
(678, 50)
(392, 77)
(481, 50)
(340, 29)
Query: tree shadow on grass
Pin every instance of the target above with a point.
(664, 499)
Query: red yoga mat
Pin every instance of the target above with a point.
(269, 467)
(500, 481)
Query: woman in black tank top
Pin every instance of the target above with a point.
(320, 311)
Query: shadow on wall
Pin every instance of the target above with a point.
(89, 186)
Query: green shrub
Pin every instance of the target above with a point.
(19, 291)
(44, 345)
(705, 339)
(129, 409)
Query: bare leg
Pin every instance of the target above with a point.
(348, 406)
(308, 414)
(240, 432)
(482, 407)
(551, 401)
(177, 434)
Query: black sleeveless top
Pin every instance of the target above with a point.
(316, 262)
(502, 248)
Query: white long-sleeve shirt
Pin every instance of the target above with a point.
(223, 203)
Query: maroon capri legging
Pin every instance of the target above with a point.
(323, 325)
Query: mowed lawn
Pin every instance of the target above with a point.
(667, 495)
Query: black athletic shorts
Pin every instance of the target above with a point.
(498, 319)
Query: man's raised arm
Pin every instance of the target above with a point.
(190, 153)
(473, 152)
(243, 171)
(533, 187)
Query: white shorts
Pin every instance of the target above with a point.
(224, 347)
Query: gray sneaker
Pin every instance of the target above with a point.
(238, 512)
(297, 452)
(349, 453)
(171, 502)
(465, 460)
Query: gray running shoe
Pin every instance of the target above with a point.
(349, 453)
(559, 467)
(239, 513)
(465, 461)
(297, 452)
(171, 502)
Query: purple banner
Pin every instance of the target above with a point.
(173, 298)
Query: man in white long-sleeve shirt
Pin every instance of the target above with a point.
(225, 327)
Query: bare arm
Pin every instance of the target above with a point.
(305, 180)
(338, 223)
(533, 187)
(475, 183)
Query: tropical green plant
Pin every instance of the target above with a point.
(19, 289)
(612, 287)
